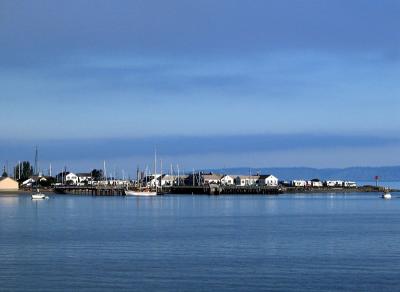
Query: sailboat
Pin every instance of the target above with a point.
(141, 192)
(38, 195)
(145, 192)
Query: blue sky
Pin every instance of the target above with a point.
(227, 83)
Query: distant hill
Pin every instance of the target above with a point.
(388, 173)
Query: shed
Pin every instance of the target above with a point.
(8, 184)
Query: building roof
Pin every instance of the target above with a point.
(5, 177)
(84, 174)
(212, 176)
(70, 173)
(264, 176)
(248, 176)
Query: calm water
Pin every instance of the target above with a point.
(200, 243)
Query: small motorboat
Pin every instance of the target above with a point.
(386, 195)
(39, 196)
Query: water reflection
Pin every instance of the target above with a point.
(9, 200)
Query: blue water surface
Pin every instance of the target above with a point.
(321, 242)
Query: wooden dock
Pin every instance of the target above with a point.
(91, 190)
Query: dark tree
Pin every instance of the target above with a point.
(5, 174)
(69, 182)
(26, 170)
(97, 174)
(47, 182)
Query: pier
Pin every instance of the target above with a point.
(91, 190)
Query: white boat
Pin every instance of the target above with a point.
(39, 196)
(143, 193)
(386, 195)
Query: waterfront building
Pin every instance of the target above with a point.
(181, 180)
(349, 184)
(151, 180)
(315, 183)
(118, 182)
(67, 177)
(8, 184)
(84, 177)
(33, 180)
(268, 180)
(227, 180)
(246, 180)
(168, 180)
(334, 183)
(298, 183)
(211, 178)
(71, 178)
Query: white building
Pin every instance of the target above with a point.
(71, 178)
(350, 184)
(152, 180)
(246, 180)
(268, 180)
(227, 180)
(298, 183)
(29, 182)
(180, 179)
(84, 177)
(168, 180)
(211, 178)
(316, 183)
(334, 183)
(33, 180)
(118, 182)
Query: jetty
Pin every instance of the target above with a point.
(91, 190)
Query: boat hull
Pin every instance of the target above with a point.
(386, 196)
(39, 197)
(140, 194)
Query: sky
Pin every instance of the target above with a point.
(222, 83)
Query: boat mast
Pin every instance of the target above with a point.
(161, 174)
(36, 162)
(155, 167)
(19, 170)
(177, 166)
(137, 176)
(105, 171)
